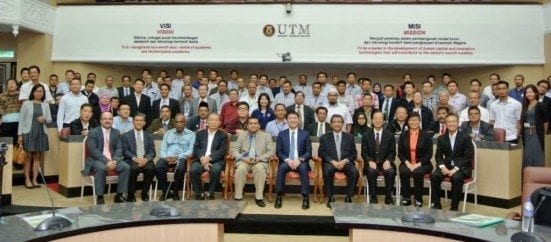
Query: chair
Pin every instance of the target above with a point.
(380, 180)
(469, 185)
(205, 177)
(88, 180)
(170, 178)
(499, 135)
(340, 177)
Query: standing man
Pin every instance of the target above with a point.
(176, 148)
(177, 85)
(317, 99)
(109, 88)
(125, 89)
(454, 156)
(379, 152)
(25, 89)
(138, 148)
(252, 151)
(165, 100)
(334, 107)
(352, 89)
(294, 150)
(221, 95)
(63, 87)
(69, 107)
(474, 100)
(123, 122)
(279, 124)
(251, 98)
(139, 103)
(338, 153)
(430, 99)
(212, 104)
(389, 103)
(186, 100)
(505, 113)
(457, 100)
(305, 113)
(209, 151)
(93, 98)
(517, 92)
(151, 90)
(105, 149)
(163, 124)
(199, 122)
(303, 86)
(286, 97)
(52, 84)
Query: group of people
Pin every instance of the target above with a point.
(195, 116)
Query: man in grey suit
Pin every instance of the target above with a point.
(305, 113)
(252, 151)
(138, 149)
(476, 128)
(203, 89)
(321, 127)
(105, 154)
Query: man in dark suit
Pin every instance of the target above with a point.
(93, 99)
(294, 150)
(338, 153)
(424, 112)
(439, 126)
(378, 153)
(139, 103)
(165, 100)
(163, 124)
(305, 113)
(212, 160)
(389, 103)
(454, 156)
(199, 122)
(203, 97)
(105, 149)
(138, 149)
(126, 89)
(477, 128)
(321, 127)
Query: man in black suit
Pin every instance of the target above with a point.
(212, 160)
(543, 87)
(139, 103)
(305, 113)
(389, 103)
(321, 127)
(199, 122)
(439, 126)
(476, 128)
(126, 89)
(378, 153)
(338, 153)
(138, 149)
(93, 99)
(165, 100)
(424, 112)
(454, 156)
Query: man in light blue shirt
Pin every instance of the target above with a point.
(69, 106)
(63, 87)
(176, 148)
(280, 123)
(177, 84)
(123, 122)
(151, 90)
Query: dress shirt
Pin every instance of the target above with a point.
(177, 144)
(25, 91)
(506, 115)
(265, 89)
(307, 90)
(252, 101)
(163, 102)
(458, 101)
(484, 115)
(210, 138)
(152, 92)
(274, 127)
(386, 107)
(112, 92)
(517, 94)
(359, 100)
(488, 92)
(232, 84)
(300, 110)
(353, 90)
(63, 88)
(321, 129)
(126, 91)
(341, 110)
(315, 102)
(220, 99)
(176, 89)
(286, 99)
(430, 101)
(548, 94)
(69, 108)
(121, 125)
(347, 101)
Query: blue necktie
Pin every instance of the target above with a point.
(292, 150)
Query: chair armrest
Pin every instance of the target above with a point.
(273, 163)
(230, 165)
(189, 161)
(318, 172)
(360, 164)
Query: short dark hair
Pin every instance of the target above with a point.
(165, 106)
(336, 116)
(452, 82)
(475, 80)
(409, 83)
(139, 80)
(90, 82)
(443, 108)
(495, 74)
(446, 74)
(341, 82)
(473, 108)
(425, 82)
(85, 105)
(413, 115)
(163, 85)
(290, 113)
(321, 108)
(504, 83)
(388, 85)
(351, 73)
(321, 73)
(34, 67)
(23, 69)
(543, 81)
(239, 104)
(53, 75)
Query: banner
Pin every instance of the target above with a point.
(310, 33)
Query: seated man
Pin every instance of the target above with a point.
(438, 127)
(338, 153)
(163, 124)
(105, 149)
(476, 128)
(123, 122)
(399, 123)
(252, 151)
(294, 150)
(239, 123)
(321, 127)
(209, 150)
(454, 155)
(199, 122)
(138, 149)
(279, 124)
(176, 148)
(378, 153)
(85, 122)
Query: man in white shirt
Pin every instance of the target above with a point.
(279, 123)
(150, 90)
(221, 96)
(505, 113)
(63, 87)
(474, 100)
(322, 79)
(457, 100)
(25, 89)
(352, 89)
(177, 84)
(109, 88)
(251, 98)
(69, 106)
(263, 86)
(285, 96)
(344, 98)
(334, 107)
(317, 99)
(487, 92)
(232, 83)
(303, 86)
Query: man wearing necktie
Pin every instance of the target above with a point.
(337, 151)
(105, 154)
(163, 124)
(252, 151)
(321, 127)
(294, 150)
(305, 113)
(138, 149)
(125, 89)
(165, 100)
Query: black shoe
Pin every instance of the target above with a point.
(329, 201)
(373, 199)
(418, 204)
(145, 197)
(238, 199)
(199, 197)
(389, 201)
(100, 200)
(163, 197)
(406, 203)
(305, 203)
(131, 198)
(278, 202)
(436, 206)
(348, 199)
(210, 196)
(174, 196)
(120, 199)
(454, 208)
(260, 203)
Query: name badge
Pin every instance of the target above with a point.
(527, 125)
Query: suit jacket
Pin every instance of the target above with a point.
(308, 115)
(461, 154)
(129, 147)
(193, 123)
(264, 146)
(304, 145)
(426, 116)
(217, 150)
(313, 128)
(423, 151)
(540, 119)
(173, 104)
(328, 148)
(393, 105)
(387, 147)
(547, 106)
(393, 127)
(434, 126)
(94, 144)
(76, 126)
(157, 123)
(486, 130)
(26, 117)
(93, 100)
(213, 107)
(144, 107)
(121, 92)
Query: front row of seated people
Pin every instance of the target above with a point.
(134, 151)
